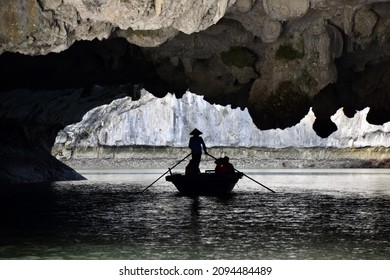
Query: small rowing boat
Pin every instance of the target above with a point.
(208, 183)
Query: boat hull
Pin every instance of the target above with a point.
(204, 184)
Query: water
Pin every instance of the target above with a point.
(321, 214)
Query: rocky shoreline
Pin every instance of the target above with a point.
(257, 158)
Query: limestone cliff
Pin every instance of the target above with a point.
(167, 122)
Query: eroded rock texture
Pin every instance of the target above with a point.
(275, 57)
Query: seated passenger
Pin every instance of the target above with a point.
(224, 166)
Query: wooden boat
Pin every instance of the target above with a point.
(205, 184)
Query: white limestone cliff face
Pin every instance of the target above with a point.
(168, 122)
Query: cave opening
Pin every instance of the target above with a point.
(39, 95)
(108, 62)
(42, 94)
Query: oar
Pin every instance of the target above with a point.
(165, 173)
(247, 176)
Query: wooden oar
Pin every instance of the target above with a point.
(256, 181)
(169, 169)
(247, 176)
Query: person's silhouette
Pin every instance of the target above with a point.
(224, 166)
(192, 169)
(196, 144)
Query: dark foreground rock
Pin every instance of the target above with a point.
(35, 165)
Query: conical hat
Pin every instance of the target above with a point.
(196, 132)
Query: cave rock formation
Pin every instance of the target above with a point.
(277, 58)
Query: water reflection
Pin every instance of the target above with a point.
(312, 216)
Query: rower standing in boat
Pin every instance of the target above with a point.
(196, 144)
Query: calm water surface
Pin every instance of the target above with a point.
(320, 214)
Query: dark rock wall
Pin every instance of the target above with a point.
(42, 94)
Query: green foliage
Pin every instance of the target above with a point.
(239, 57)
(287, 52)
